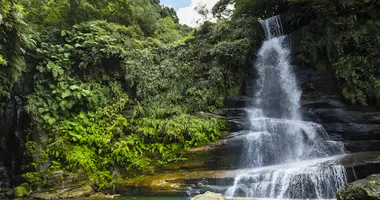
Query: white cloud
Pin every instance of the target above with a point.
(189, 16)
(168, 5)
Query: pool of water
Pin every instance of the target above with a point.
(141, 198)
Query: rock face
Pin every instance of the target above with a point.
(323, 104)
(176, 183)
(11, 143)
(13, 122)
(365, 189)
(183, 181)
(209, 196)
(5, 184)
(77, 191)
(63, 185)
(361, 165)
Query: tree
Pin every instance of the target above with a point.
(15, 39)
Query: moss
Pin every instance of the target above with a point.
(21, 190)
(368, 188)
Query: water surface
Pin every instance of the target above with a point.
(140, 198)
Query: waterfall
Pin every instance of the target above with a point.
(285, 156)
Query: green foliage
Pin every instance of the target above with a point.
(87, 76)
(35, 179)
(344, 35)
(181, 131)
(22, 191)
(15, 39)
(65, 13)
(119, 93)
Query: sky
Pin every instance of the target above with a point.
(185, 9)
(176, 4)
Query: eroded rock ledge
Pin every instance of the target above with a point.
(185, 182)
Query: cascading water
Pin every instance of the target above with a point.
(284, 157)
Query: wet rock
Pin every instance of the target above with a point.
(198, 179)
(176, 183)
(322, 103)
(209, 196)
(240, 114)
(236, 125)
(366, 189)
(361, 165)
(237, 102)
(359, 146)
(218, 155)
(354, 131)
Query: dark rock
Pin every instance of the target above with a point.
(353, 131)
(360, 146)
(361, 165)
(5, 184)
(235, 125)
(218, 155)
(316, 84)
(237, 102)
(237, 119)
(323, 104)
(236, 113)
(365, 189)
(326, 101)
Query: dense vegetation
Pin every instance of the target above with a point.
(344, 34)
(119, 87)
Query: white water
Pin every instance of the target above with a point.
(286, 157)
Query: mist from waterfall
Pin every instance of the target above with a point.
(286, 157)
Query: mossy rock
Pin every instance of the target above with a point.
(72, 191)
(22, 190)
(366, 189)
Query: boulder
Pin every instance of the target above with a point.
(365, 189)
(209, 196)
(77, 191)
(361, 165)
(63, 185)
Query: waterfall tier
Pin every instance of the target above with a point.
(286, 157)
